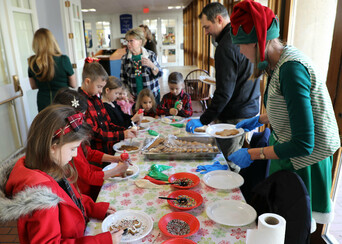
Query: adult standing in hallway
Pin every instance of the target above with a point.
(139, 66)
(236, 96)
(49, 70)
(150, 43)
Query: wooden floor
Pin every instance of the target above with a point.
(9, 233)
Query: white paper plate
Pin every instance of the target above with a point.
(212, 129)
(143, 127)
(223, 179)
(168, 119)
(149, 118)
(133, 167)
(231, 212)
(135, 143)
(146, 227)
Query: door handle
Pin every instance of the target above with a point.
(16, 83)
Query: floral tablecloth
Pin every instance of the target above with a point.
(126, 195)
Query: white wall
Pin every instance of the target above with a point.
(50, 17)
(313, 33)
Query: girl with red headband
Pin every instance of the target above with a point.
(36, 191)
(90, 177)
(305, 133)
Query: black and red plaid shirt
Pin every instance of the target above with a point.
(169, 101)
(105, 133)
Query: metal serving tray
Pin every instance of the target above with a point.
(181, 155)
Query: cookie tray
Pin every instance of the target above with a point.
(181, 155)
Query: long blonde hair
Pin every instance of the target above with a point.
(45, 46)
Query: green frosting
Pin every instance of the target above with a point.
(156, 172)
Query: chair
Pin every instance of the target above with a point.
(198, 90)
(285, 194)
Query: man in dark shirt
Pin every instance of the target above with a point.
(236, 96)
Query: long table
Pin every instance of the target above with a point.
(126, 195)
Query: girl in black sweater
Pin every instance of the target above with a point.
(110, 93)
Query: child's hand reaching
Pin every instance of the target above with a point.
(130, 133)
(137, 118)
(173, 111)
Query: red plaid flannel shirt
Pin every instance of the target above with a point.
(168, 101)
(105, 133)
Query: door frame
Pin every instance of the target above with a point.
(14, 66)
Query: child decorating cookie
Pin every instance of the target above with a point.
(176, 102)
(36, 191)
(90, 177)
(147, 102)
(110, 93)
(105, 133)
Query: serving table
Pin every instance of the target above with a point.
(124, 194)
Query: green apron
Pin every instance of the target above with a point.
(317, 179)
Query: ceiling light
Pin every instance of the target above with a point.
(170, 7)
(89, 10)
(178, 7)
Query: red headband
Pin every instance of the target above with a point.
(74, 123)
(91, 60)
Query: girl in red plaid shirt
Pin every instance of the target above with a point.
(176, 102)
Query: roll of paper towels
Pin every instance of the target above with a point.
(271, 230)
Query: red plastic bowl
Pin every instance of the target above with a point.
(196, 180)
(179, 241)
(191, 220)
(196, 196)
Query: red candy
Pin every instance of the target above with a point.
(140, 111)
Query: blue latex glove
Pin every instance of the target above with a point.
(192, 125)
(241, 158)
(249, 124)
(211, 167)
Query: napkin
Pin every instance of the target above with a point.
(143, 183)
(203, 169)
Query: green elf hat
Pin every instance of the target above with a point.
(253, 23)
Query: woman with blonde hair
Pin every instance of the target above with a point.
(139, 66)
(49, 70)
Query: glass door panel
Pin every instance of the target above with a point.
(168, 41)
(24, 31)
(103, 34)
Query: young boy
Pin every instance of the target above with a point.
(176, 102)
(105, 133)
